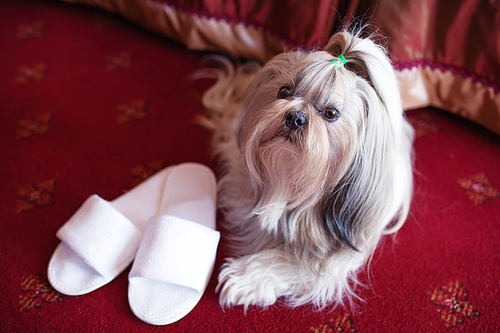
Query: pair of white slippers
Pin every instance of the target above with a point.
(167, 223)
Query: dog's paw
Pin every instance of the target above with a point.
(244, 281)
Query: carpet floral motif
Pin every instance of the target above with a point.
(339, 324)
(135, 110)
(423, 124)
(39, 125)
(35, 291)
(34, 29)
(141, 172)
(453, 304)
(120, 61)
(26, 74)
(479, 188)
(36, 195)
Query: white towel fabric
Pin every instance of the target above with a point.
(177, 254)
(97, 244)
(101, 239)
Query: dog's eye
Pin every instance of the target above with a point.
(331, 114)
(285, 92)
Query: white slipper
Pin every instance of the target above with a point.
(101, 239)
(177, 254)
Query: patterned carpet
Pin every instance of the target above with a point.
(91, 104)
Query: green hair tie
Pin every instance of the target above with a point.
(339, 64)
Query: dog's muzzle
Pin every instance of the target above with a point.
(295, 119)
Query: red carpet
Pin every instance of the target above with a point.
(91, 104)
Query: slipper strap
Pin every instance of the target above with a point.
(176, 251)
(101, 236)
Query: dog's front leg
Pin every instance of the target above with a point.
(257, 279)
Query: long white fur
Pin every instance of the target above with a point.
(273, 190)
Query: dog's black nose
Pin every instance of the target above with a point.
(295, 119)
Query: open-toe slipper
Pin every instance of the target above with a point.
(176, 257)
(101, 239)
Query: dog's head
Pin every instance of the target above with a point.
(319, 140)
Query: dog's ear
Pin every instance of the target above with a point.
(359, 206)
(370, 61)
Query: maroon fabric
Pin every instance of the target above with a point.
(91, 104)
(460, 34)
(296, 22)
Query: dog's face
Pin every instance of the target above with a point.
(302, 136)
(301, 123)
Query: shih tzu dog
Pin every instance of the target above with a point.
(316, 165)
